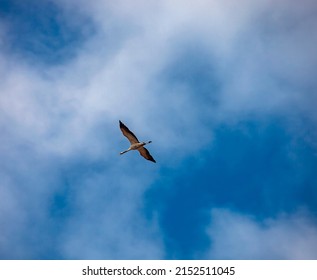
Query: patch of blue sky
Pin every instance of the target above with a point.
(41, 31)
(252, 168)
(192, 68)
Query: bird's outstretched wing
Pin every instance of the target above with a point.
(146, 154)
(128, 133)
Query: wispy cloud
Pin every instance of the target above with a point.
(240, 236)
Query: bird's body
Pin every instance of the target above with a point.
(135, 143)
(135, 146)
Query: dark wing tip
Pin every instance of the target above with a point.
(128, 133)
(146, 154)
(122, 125)
(150, 158)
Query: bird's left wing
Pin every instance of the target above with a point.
(128, 133)
(146, 154)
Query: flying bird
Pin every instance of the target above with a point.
(135, 143)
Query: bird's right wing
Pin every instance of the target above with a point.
(146, 154)
(128, 133)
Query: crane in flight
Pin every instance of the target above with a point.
(135, 143)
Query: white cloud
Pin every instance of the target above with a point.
(54, 119)
(116, 73)
(239, 236)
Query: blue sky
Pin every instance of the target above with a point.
(226, 91)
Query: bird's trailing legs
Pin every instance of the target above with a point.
(121, 153)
